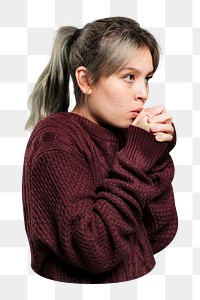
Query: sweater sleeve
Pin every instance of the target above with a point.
(90, 226)
(161, 227)
(159, 214)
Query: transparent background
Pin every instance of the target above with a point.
(27, 29)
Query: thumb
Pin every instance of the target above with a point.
(155, 110)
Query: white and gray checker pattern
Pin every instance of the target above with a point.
(27, 29)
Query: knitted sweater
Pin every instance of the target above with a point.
(98, 201)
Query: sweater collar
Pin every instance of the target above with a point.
(106, 133)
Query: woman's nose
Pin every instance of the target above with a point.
(141, 92)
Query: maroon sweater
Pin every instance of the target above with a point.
(98, 202)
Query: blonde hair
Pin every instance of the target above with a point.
(102, 46)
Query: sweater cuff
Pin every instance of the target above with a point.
(142, 148)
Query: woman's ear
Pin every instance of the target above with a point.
(83, 80)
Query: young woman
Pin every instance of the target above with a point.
(97, 194)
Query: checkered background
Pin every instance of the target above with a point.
(27, 30)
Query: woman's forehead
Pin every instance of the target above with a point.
(139, 60)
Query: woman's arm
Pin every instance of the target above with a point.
(159, 214)
(90, 226)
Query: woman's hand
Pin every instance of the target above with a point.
(141, 121)
(157, 121)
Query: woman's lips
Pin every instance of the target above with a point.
(135, 113)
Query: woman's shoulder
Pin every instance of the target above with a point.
(61, 121)
(55, 125)
(56, 132)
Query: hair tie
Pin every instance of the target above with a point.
(74, 37)
(76, 34)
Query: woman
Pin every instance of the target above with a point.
(97, 193)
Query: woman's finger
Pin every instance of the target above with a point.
(141, 121)
(163, 137)
(159, 127)
(154, 111)
(162, 118)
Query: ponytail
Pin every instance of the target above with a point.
(51, 91)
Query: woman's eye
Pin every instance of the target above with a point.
(129, 78)
(147, 79)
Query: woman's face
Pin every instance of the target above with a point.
(118, 99)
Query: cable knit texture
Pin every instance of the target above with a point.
(98, 201)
